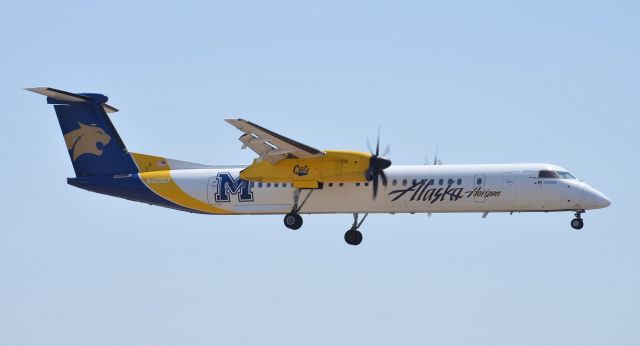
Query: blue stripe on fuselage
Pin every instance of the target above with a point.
(127, 186)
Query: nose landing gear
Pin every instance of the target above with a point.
(577, 223)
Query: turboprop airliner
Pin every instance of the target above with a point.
(290, 178)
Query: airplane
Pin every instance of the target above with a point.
(291, 178)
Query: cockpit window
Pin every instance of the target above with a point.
(547, 174)
(565, 175)
(555, 175)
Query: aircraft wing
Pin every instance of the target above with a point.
(270, 146)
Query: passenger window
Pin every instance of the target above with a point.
(404, 182)
(275, 185)
(357, 184)
(253, 184)
(479, 181)
(431, 182)
(394, 182)
(459, 181)
(414, 181)
(547, 174)
(441, 181)
(284, 184)
(450, 181)
(341, 184)
(366, 184)
(268, 184)
(259, 184)
(330, 184)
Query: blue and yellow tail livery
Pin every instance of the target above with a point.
(94, 146)
(100, 159)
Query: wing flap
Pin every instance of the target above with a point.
(271, 146)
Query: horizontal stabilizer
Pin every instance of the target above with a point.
(68, 96)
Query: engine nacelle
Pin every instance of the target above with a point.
(334, 166)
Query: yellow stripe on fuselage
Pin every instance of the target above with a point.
(150, 163)
(155, 173)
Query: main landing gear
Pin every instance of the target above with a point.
(293, 220)
(577, 223)
(353, 236)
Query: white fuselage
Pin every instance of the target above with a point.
(410, 189)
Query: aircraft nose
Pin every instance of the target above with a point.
(599, 199)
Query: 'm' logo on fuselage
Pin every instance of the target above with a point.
(227, 185)
(87, 139)
(300, 170)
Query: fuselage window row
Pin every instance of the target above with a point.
(394, 182)
(441, 181)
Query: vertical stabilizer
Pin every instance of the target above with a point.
(94, 146)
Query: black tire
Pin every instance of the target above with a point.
(577, 223)
(353, 237)
(293, 221)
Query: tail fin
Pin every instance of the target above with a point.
(93, 143)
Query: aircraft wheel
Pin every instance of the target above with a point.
(353, 237)
(293, 221)
(577, 223)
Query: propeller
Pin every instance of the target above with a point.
(436, 160)
(377, 164)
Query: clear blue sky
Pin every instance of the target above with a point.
(486, 82)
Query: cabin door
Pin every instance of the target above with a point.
(509, 187)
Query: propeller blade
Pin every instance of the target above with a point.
(369, 173)
(386, 150)
(375, 186)
(377, 165)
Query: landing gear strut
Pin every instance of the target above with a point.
(353, 236)
(577, 223)
(293, 220)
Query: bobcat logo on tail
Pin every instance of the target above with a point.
(85, 140)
